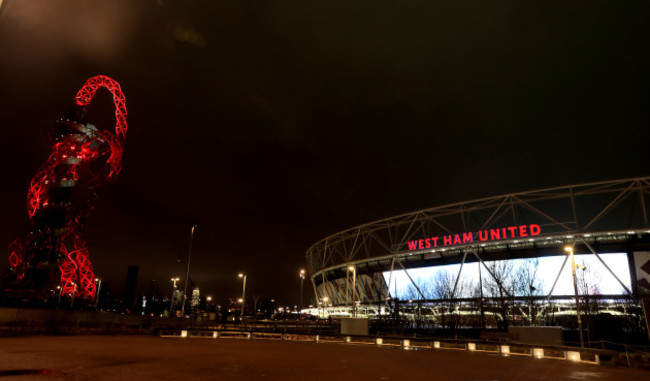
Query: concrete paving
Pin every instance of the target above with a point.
(153, 358)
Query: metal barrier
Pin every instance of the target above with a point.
(504, 349)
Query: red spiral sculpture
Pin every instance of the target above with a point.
(61, 195)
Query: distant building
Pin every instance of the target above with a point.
(195, 297)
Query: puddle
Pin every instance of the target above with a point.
(585, 375)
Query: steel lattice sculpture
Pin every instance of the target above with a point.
(61, 196)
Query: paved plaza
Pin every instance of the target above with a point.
(153, 358)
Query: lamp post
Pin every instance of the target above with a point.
(99, 287)
(302, 280)
(569, 249)
(323, 303)
(74, 291)
(354, 290)
(243, 294)
(59, 298)
(187, 273)
(171, 303)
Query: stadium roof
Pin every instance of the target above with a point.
(609, 214)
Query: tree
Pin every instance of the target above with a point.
(588, 281)
(527, 284)
(500, 287)
(441, 288)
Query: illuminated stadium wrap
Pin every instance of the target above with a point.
(513, 243)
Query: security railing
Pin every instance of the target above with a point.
(582, 355)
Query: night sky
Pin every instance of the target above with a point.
(273, 124)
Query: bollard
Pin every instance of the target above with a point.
(537, 353)
(183, 333)
(215, 334)
(248, 335)
(316, 338)
(471, 346)
(406, 344)
(504, 350)
(436, 344)
(379, 341)
(347, 339)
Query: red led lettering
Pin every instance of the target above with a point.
(522, 231)
(483, 235)
(535, 229)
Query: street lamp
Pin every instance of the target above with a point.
(187, 274)
(59, 299)
(74, 291)
(569, 249)
(243, 294)
(171, 303)
(302, 280)
(324, 299)
(354, 290)
(99, 286)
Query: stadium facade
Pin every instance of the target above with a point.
(503, 257)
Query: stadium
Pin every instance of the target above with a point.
(494, 261)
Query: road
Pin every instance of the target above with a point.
(152, 358)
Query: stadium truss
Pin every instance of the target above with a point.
(61, 195)
(594, 218)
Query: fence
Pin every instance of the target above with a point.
(582, 355)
